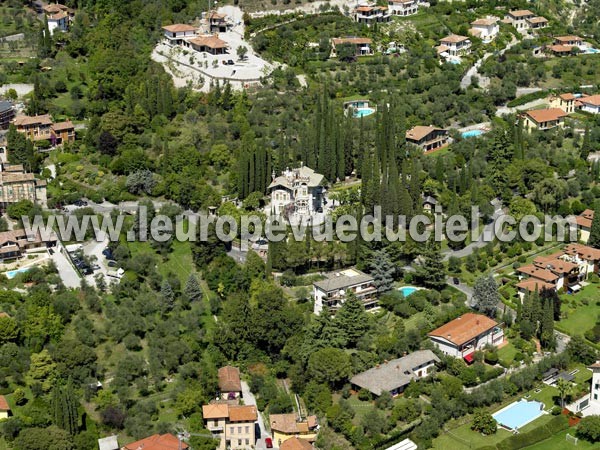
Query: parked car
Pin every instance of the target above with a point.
(455, 280)
(230, 62)
(269, 442)
(107, 252)
(112, 263)
(80, 203)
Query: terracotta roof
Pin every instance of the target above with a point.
(554, 264)
(210, 41)
(583, 251)
(285, 423)
(485, 22)
(61, 126)
(403, 1)
(538, 19)
(567, 97)
(567, 38)
(54, 8)
(520, 13)
(215, 411)
(178, 28)
(419, 132)
(352, 40)
(295, 443)
(559, 48)
(312, 421)
(475, 31)
(216, 15)
(156, 442)
(15, 177)
(58, 16)
(33, 120)
(454, 38)
(245, 413)
(4, 315)
(539, 273)
(442, 49)
(229, 379)
(533, 285)
(19, 236)
(585, 218)
(4, 404)
(546, 115)
(596, 365)
(464, 328)
(593, 100)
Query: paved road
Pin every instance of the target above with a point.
(474, 70)
(13, 37)
(462, 287)
(249, 399)
(502, 110)
(67, 272)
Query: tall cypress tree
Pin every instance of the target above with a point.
(64, 406)
(594, 239)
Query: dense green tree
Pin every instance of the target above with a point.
(352, 320)
(383, 271)
(329, 365)
(485, 295)
(64, 406)
(484, 423)
(589, 428)
(193, 291)
(594, 239)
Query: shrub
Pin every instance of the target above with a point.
(556, 410)
(364, 395)
(483, 422)
(589, 428)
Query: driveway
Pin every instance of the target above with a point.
(462, 287)
(67, 272)
(249, 399)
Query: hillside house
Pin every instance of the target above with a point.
(566, 102)
(233, 424)
(455, 45)
(179, 33)
(464, 335)
(393, 376)
(230, 385)
(524, 20)
(556, 271)
(38, 128)
(217, 22)
(331, 293)
(7, 114)
(157, 442)
(590, 104)
(15, 243)
(287, 426)
(209, 44)
(429, 138)
(370, 14)
(573, 41)
(543, 119)
(360, 46)
(403, 7)
(4, 408)
(295, 443)
(485, 29)
(16, 184)
(584, 224)
(296, 191)
(58, 17)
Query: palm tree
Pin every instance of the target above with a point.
(564, 388)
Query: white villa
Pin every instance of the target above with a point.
(485, 29)
(455, 45)
(589, 405)
(464, 335)
(331, 293)
(590, 103)
(179, 33)
(524, 20)
(370, 14)
(297, 191)
(403, 7)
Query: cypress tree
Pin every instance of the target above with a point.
(64, 407)
(594, 239)
(585, 145)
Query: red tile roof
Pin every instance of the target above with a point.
(210, 41)
(33, 120)
(546, 115)
(156, 442)
(585, 218)
(559, 48)
(419, 132)
(520, 13)
(454, 38)
(4, 404)
(229, 379)
(464, 328)
(178, 28)
(583, 251)
(62, 126)
(539, 273)
(353, 40)
(246, 413)
(215, 411)
(532, 285)
(593, 100)
(295, 443)
(567, 38)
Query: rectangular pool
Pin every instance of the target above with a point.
(518, 414)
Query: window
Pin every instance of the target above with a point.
(239, 430)
(247, 430)
(247, 441)
(595, 396)
(232, 430)
(597, 386)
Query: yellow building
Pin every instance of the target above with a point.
(566, 102)
(544, 119)
(286, 426)
(233, 424)
(16, 184)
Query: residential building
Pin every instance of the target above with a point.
(15, 243)
(393, 376)
(233, 424)
(464, 335)
(42, 127)
(209, 43)
(217, 22)
(573, 41)
(584, 224)
(518, 18)
(595, 388)
(589, 404)
(590, 103)
(588, 258)
(296, 191)
(157, 442)
(429, 138)
(16, 184)
(485, 29)
(403, 7)
(455, 45)
(566, 102)
(108, 443)
(536, 23)
(287, 426)
(4, 408)
(361, 46)
(7, 114)
(530, 285)
(544, 119)
(555, 271)
(58, 17)
(230, 385)
(295, 443)
(370, 14)
(331, 293)
(178, 33)
(429, 203)
(561, 50)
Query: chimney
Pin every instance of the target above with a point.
(449, 336)
(477, 321)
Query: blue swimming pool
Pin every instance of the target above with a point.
(363, 112)
(407, 290)
(13, 273)
(591, 50)
(472, 133)
(519, 414)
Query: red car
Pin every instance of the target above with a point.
(269, 442)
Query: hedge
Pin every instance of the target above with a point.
(527, 98)
(521, 440)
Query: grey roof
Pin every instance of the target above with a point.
(4, 105)
(342, 279)
(312, 178)
(566, 376)
(108, 443)
(430, 199)
(550, 372)
(393, 374)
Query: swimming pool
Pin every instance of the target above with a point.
(407, 290)
(591, 50)
(471, 133)
(363, 112)
(519, 414)
(13, 273)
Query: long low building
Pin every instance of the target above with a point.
(393, 376)
(464, 335)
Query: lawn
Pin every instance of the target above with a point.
(580, 317)
(507, 354)
(559, 442)
(179, 261)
